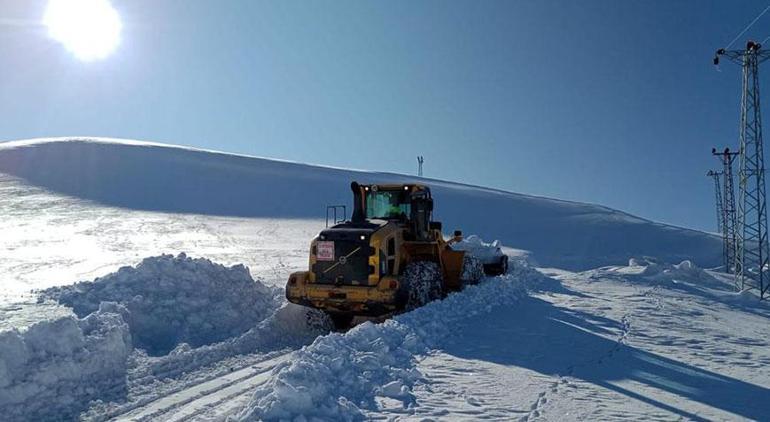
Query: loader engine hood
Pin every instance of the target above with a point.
(342, 254)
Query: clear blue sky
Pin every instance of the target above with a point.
(612, 102)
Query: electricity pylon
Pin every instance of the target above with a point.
(751, 259)
(721, 223)
(727, 157)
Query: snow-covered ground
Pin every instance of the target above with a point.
(177, 337)
(607, 344)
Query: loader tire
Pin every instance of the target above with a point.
(318, 320)
(473, 269)
(423, 283)
(342, 322)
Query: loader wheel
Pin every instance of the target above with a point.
(318, 320)
(341, 322)
(473, 269)
(423, 283)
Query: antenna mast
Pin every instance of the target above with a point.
(420, 160)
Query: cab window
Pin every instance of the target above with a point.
(386, 205)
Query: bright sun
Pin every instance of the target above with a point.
(90, 29)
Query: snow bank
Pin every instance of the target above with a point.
(192, 313)
(172, 300)
(340, 376)
(54, 368)
(684, 271)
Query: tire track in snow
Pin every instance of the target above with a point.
(201, 397)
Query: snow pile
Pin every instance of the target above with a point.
(54, 368)
(488, 253)
(172, 300)
(340, 376)
(684, 271)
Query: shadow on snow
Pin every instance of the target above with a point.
(559, 342)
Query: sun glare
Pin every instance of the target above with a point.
(90, 29)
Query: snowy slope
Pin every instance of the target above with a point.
(156, 177)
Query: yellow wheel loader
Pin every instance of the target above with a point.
(389, 257)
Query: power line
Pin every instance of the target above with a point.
(747, 28)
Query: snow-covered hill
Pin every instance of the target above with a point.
(156, 177)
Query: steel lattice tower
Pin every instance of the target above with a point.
(728, 231)
(751, 234)
(721, 223)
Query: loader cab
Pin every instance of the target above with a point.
(408, 204)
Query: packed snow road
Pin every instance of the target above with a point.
(218, 398)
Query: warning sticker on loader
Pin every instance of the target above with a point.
(325, 251)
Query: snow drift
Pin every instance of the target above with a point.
(171, 300)
(343, 376)
(165, 178)
(190, 313)
(53, 369)
(654, 270)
